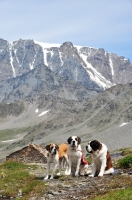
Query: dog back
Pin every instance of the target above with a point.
(63, 150)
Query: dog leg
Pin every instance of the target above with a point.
(68, 172)
(102, 169)
(59, 173)
(93, 170)
(55, 167)
(67, 164)
(83, 170)
(78, 167)
(47, 172)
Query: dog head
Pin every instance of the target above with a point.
(93, 145)
(74, 141)
(52, 148)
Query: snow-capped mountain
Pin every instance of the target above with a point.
(69, 71)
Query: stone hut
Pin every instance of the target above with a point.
(30, 154)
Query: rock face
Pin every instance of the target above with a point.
(28, 67)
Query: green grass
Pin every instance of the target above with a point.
(126, 162)
(14, 176)
(89, 160)
(8, 134)
(120, 194)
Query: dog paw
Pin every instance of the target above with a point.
(67, 173)
(51, 177)
(91, 175)
(76, 174)
(46, 177)
(100, 174)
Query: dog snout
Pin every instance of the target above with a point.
(73, 142)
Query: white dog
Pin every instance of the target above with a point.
(77, 163)
(55, 155)
(102, 163)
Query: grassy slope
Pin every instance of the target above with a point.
(14, 177)
(119, 194)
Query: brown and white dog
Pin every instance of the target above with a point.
(55, 155)
(77, 163)
(102, 163)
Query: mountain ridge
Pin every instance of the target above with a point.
(86, 67)
(83, 91)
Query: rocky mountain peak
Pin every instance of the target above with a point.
(91, 68)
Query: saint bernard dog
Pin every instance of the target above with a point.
(102, 163)
(55, 155)
(77, 163)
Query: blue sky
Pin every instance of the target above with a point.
(93, 23)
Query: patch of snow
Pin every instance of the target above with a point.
(111, 65)
(105, 53)
(123, 124)
(11, 59)
(36, 110)
(32, 65)
(60, 55)
(45, 51)
(95, 75)
(15, 51)
(43, 113)
(4, 141)
(46, 45)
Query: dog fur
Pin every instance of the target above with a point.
(76, 167)
(55, 155)
(102, 163)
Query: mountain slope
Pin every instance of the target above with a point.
(50, 92)
(54, 120)
(68, 71)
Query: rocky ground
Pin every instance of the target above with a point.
(83, 187)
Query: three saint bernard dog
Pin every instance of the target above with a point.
(102, 163)
(75, 162)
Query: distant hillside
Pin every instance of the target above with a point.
(57, 119)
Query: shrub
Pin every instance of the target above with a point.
(126, 162)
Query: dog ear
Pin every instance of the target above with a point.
(57, 147)
(79, 140)
(95, 144)
(48, 147)
(69, 140)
